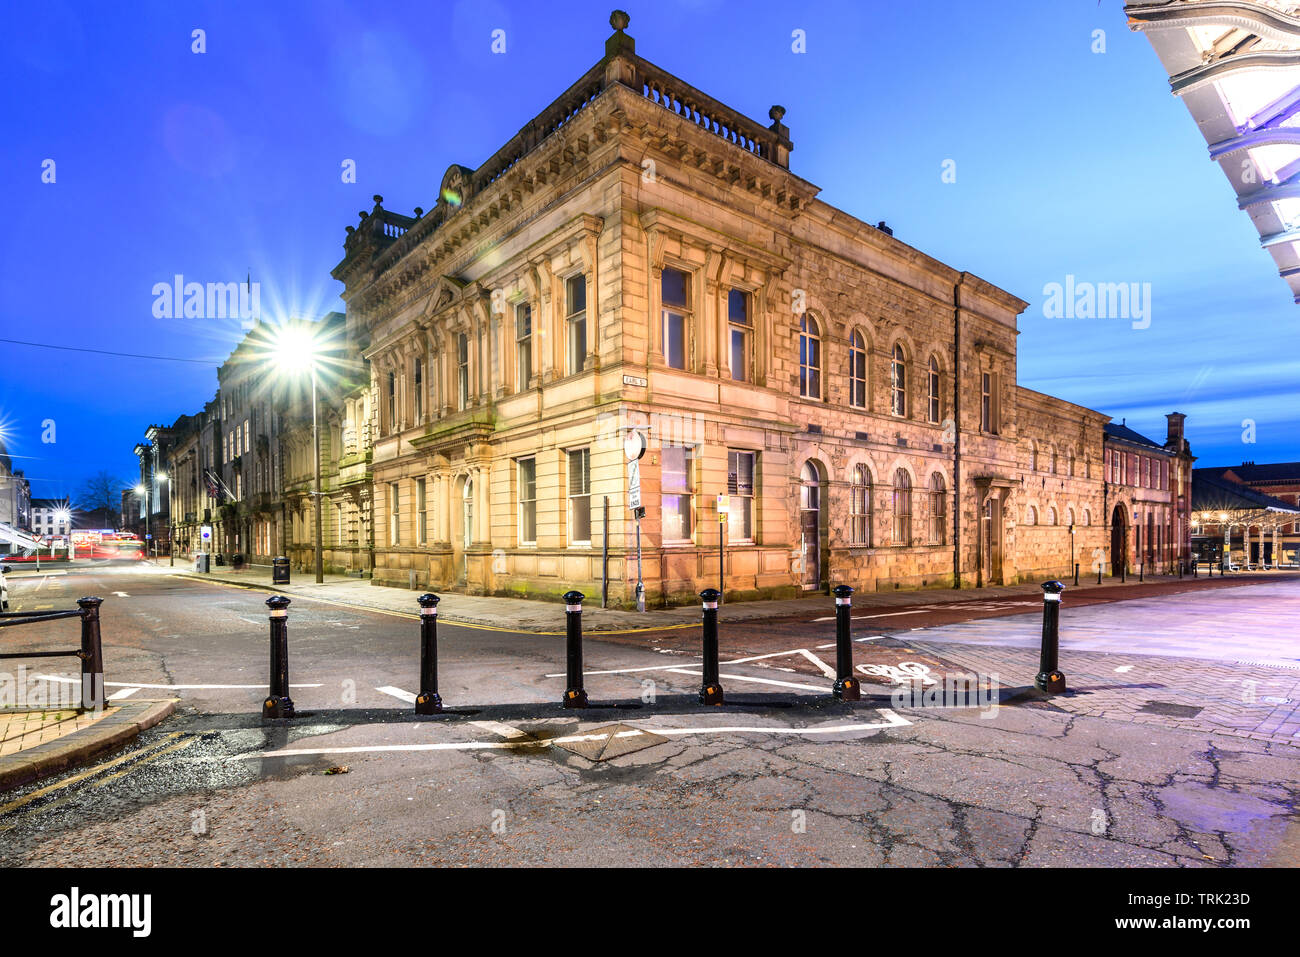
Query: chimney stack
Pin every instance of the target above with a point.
(1174, 438)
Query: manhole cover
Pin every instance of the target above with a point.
(1169, 709)
(611, 741)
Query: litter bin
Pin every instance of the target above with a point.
(280, 571)
(201, 562)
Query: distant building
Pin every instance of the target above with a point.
(1277, 480)
(1148, 496)
(51, 517)
(15, 494)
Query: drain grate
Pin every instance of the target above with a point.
(1170, 710)
(1270, 664)
(611, 741)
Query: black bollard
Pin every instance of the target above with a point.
(428, 701)
(1123, 571)
(1049, 677)
(711, 686)
(278, 704)
(91, 655)
(1098, 573)
(575, 696)
(1076, 574)
(1141, 568)
(846, 686)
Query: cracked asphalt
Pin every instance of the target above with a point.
(778, 777)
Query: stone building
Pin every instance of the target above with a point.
(641, 257)
(15, 495)
(1264, 542)
(1148, 497)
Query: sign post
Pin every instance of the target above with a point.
(634, 446)
(724, 506)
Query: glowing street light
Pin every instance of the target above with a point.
(296, 349)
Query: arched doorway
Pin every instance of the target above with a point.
(810, 496)
(1118, 540)
(461, 514)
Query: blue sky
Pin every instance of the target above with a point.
(1068, 162)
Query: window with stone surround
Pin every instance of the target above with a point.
(421, 515)
(575, 320)
(418, 376)
(741, 468)
(527, 478)
(1031, 515)
(857, 370)
(938, 510)
(392, 402)
(860, 506)
(902, 507)
(674, 327)
(738, 326)
(898, 381)
(677, 493)
(810, 357)
(579, 497)
(989, 403)
(932, 392)
(462, 371)
(523, 346)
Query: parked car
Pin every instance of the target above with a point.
(4, 588)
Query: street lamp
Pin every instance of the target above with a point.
(141, 491)
(296, 350)
(162, 477)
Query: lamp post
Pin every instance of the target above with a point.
(140, 491)
(162, 477)
(296, 349)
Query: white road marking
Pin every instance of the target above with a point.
(892, 720)
(141, 684)
(826, 669)
(124, 693)
(1123, 669)
(892, 614)
(121, 594)
(398, 693)
(765, 681)
(504, 730)
(734, 661)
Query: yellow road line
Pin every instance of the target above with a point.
(450, 620)
(176, 746)
(58, 785)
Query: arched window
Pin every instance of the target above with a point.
(1069, 463)
(938, 509)
(1031, 516)
(1053, 464)
(1051, 515)
(1069, 516)
(860, 506)
(933, 391)
(1033, 458)
(902, 508)
(1087, 516)
(857, 370)
(810, 358)
(898, 382)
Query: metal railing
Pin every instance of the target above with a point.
(91, 651)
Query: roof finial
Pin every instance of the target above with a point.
(619, 20)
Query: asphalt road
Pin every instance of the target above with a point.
(780, 779)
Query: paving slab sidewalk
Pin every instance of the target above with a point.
(40, 742)
(529, 615)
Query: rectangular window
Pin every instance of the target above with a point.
(740, 491)
(575, 288)
(675, 477)
(738, 322)
(580, 497)
(462, 372)
(392, 402)
(523, 346)
(672, 287)
(421, 520)
(527, 475)
(419, 390)
(394, 515)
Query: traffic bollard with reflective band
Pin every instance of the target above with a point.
(1099, 573)
(846, 686)
(1049, 677)
(428, 701)
(278, 704)
(575, 696)
(711, 687)
(91, 655)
